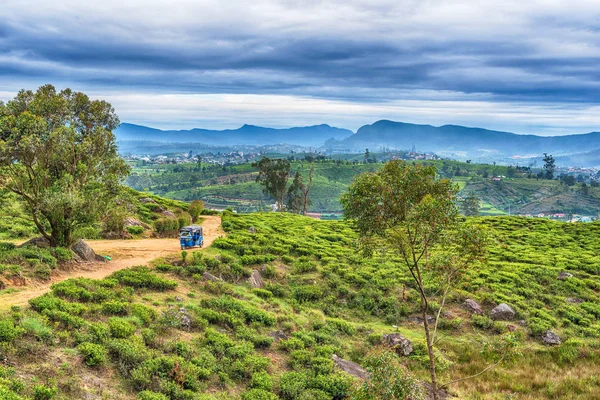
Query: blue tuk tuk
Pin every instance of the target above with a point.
(191, 236)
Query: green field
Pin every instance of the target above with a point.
(518, 192)
(127, 332)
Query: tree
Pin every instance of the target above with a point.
(195, 209)
(306, 201)
(367, 156)
(549, 166)
(405, 209)
(295, 194)
(470, 205)
(59, 155)
(273, 174)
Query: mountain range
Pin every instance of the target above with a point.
(310, 136)
(453, 141)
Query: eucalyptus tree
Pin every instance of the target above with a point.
(407, 210)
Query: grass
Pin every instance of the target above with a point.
(169, 332)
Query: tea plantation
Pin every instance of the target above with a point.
(195, 328)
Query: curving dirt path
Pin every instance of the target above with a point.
(124, 254)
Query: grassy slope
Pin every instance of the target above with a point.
(327, 299)
(234, 186)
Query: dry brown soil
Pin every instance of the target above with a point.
(124, 254)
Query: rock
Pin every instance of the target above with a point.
(473, 306)
(184, 319)
(550, 338)
(2, 285)
(211, 277)
(256, 280)
(168, 214)
(147, 200)
(350, 367)
(417, 319)
(85, 252)
(442, 393)
(130, 221)
(278, 335)
(178, 299)
(252, 229)
(40, 242)
(564, 275)
(399, 343)
(574, 300)
(502, 312)
(511, 328)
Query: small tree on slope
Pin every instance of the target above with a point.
(58, 153)
(405, 209)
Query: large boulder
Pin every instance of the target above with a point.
(473, 307)
(399, 343)
(40, 242)
(502, 312)
(85, 252)
(256, 280)
(147, 200)
(550, 338)
(350, 367)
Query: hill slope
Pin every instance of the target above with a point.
(170, 334)
(246, 135)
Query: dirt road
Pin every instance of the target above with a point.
(124, 254)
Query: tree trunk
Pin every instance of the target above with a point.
(432, 372)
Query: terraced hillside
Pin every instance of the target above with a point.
(517, 192)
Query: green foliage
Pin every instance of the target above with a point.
(120, 328)
(135, 230)
(59, 155)
(94, 355)
(142, 277)
(8, 330)
(273, 174)
(388, 379)
(195, 209)
(262, 380)
(42, 392)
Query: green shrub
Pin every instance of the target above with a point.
(292, 385)
(263, 293)
(93, 354)
(120, 328)
(115, 307)
(8, 330)
(258, 394)
(62, 254)
(261, 380)
(135, 230)
(142, 277)
(42, 392)
(148, 395)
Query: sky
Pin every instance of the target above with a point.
(522, 66)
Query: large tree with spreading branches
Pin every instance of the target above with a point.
(59, 155)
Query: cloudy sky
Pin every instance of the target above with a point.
(525, 66)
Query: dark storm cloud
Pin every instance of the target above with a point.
(382, 51)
